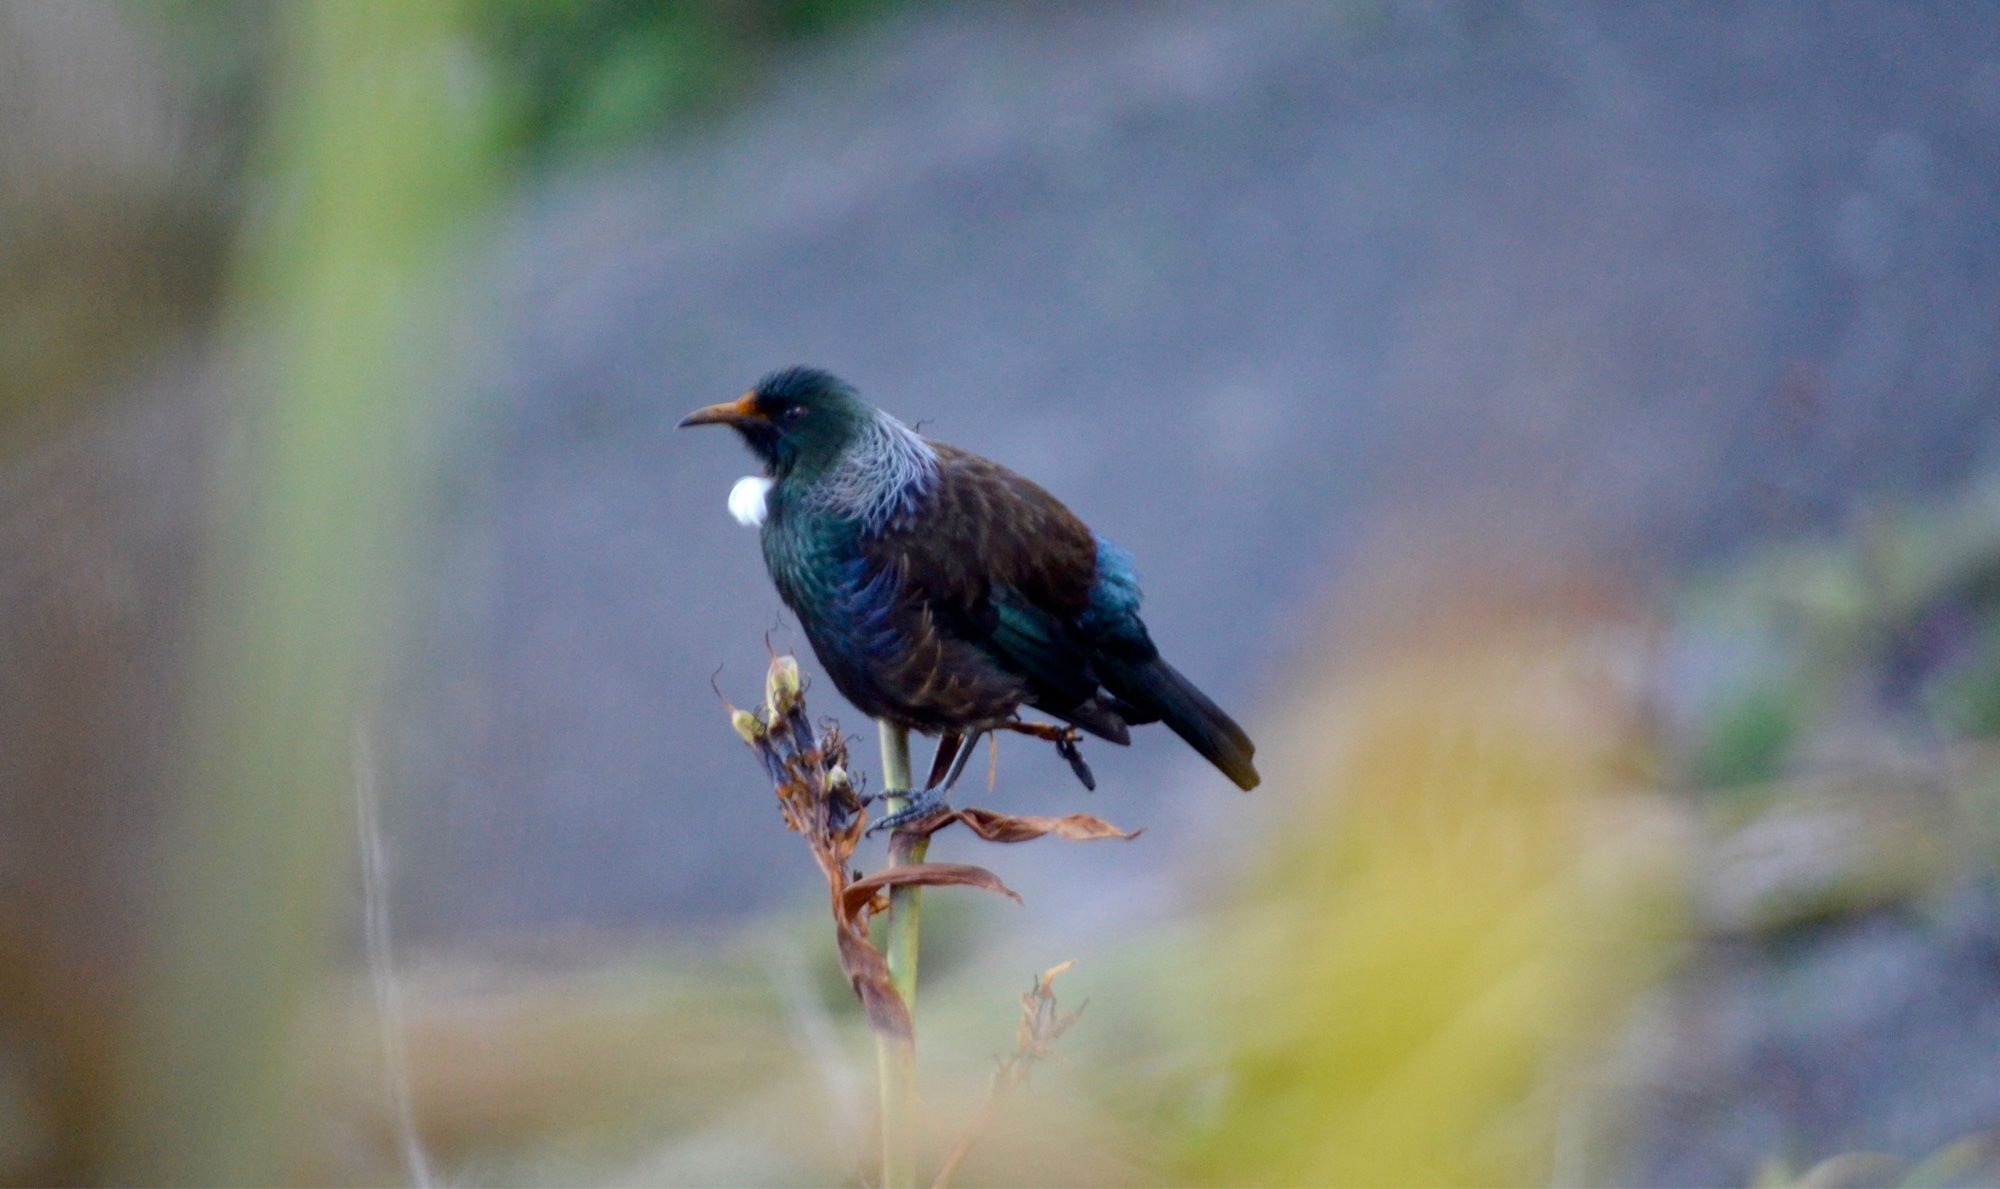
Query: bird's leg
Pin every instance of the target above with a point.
(950, 755)
(964, 754)
(1040, 730)
(948, 746)
(1067, 748)
(947, 766)
(1065, 739)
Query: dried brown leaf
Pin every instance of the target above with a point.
(866, 969)
(868, 973)
(1045, 985)
(1041, 1024)
(1001, 827)
(857, 895)
(1034, 1039)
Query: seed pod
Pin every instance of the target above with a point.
(783, 687)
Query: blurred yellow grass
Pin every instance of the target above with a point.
(1466, 897)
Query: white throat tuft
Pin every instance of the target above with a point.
(746, 500)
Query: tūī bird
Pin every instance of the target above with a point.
(943, 592)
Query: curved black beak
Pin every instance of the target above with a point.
(734, 412)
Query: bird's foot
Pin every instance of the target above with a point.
(921, 806)
(1066, 740)
(1067, 748)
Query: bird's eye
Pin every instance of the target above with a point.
(794, 412)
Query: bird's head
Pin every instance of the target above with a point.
(796, 420)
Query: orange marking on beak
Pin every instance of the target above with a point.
(733, 412)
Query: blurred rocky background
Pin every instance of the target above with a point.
(1567, 432)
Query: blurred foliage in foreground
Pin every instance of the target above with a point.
(1459, 906)
(1483, 943)
(339, 289)
(1468, 897)
(578, 75)
(560, 77)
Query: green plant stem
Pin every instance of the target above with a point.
(896, 1059)
(380, 163)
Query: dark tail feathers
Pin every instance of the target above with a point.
(1158, 689)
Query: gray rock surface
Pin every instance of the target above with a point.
(1873, 1035)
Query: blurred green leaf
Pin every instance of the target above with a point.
(1749, 739)
(584, 77)
(1967, 700)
